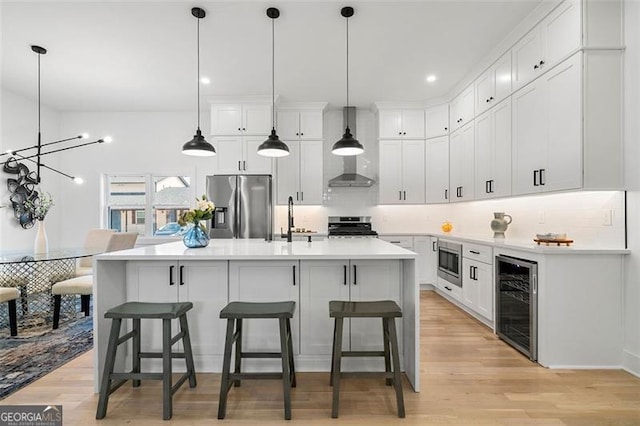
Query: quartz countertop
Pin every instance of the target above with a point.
(258, 249)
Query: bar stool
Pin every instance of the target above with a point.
(388, 310)
(141, 310)
(283, 312)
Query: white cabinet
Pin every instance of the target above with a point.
(300, 173)
(557, 36)
(240, 119)
(265, 281)
(493, 152)
(461, 164)
(202, 283)
(547, 131)
(437, 121)
(300, 124)
(403, 241)
(402, 172)
(462, 109)
(427, 261)
(437, 174)
(239, 155)
(494, 85)
(477, 279)
(355, 280)
(401, 124)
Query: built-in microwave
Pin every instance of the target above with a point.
(450, 262)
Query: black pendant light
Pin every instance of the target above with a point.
(273, 146)
(198, 146)
(348, 145)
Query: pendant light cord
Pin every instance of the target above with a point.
(273, 74)
(348, 71)
(198, 70)
(39, 129)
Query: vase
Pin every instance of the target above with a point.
(196, 237)
(499, 224)
(41, 243)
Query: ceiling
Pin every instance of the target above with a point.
(141, 56)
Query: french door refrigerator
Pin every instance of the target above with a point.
(243, 206)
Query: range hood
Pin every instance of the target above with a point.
(350, 177)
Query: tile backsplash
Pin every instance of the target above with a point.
(590, 218)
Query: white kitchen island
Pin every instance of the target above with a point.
(311, 274)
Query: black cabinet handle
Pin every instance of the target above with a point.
(447, 288)
(405, 195)
(541, 63)
(491, 186)
(181, 274)
(345, 274)
(446, 128)
(171, 275)
(243, 129)
(404, 133)
(244, 165)
(474, 252)
(486, 186)
(433, 246)
(239, 169)
(490, 98)
(301, 134)
(542, 182)
(294, 274)
(446, 194)
(355, 275)
(400, 195)
(471, 272)
(301, 196)
(239, 129)
(535, 178)
(297, 134)
(400, 133)
(296, 195)
(535, 67)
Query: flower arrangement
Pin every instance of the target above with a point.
(202, 211)
(39, 206)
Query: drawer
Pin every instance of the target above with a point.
(402, 241)
(478, 252)
(449, 289)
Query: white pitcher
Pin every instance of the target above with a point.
(499, 224)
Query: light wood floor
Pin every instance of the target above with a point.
(469, 377)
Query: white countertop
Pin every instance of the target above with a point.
(258, 249)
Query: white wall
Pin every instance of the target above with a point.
(20, 130)
(631, 356)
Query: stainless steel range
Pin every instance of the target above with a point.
(351, 227)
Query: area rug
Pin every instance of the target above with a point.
(36, 352)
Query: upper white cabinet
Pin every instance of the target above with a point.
(300, 173)
(437, 121)
(494, 85)
(461, 164)
(402, 172)
(239, 155)
(462, 109)
(401, 123)
(557, 36)
(240, 119)
(301, 122)
(437, 174)
(493, 152)
(547, 131)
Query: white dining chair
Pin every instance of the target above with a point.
(96, 239)
(83, 284)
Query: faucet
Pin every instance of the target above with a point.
(289, 219)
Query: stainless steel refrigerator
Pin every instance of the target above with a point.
(243, 206)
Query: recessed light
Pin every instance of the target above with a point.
(431, 78)
(205, 80)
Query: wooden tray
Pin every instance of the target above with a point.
(553, 242)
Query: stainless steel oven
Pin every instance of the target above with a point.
(450, 262)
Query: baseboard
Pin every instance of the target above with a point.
(427, 287)
(631, 363)
(584, 367)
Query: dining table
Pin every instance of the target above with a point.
(33, 274)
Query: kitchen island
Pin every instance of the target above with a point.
(311, 274)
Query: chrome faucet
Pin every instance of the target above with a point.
(290, 219)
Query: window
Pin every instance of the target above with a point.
(147, 204)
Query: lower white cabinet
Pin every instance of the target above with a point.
(427, 261)
(266, 281)
(202, 283)
(357, 280)
(477, 279)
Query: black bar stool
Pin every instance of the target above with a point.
(235, 312)
(388, 310)
(136, 311)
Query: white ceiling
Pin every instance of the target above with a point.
(141, 56)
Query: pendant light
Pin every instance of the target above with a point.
(198, 146)
(348, 145)
(273, 146)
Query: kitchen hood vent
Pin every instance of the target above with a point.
(350, 177)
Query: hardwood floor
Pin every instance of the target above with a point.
(469, 377)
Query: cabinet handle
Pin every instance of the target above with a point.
(433, 246)
(446, 194)
(400, 133)
(400, 195)
(535, 67)
(239, 168)
(297, 199)
(171, 275)
(404, 133)
(297, 134)
(345, 274)
(446, 128)
(474, 252)
(355, 275)
(243, 129)
(244, 165)
(239, 129)
(542, 182)
(470, 272)
(301, 134)
(301, 196)
(447, 288)
(405, 195)
(294, 274)
(181, 272)
(491, 186)
(490, 98)
(535, 178)
(486, 186)
(541, 63)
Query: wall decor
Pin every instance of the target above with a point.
(22, 191)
